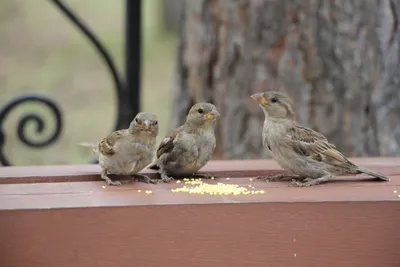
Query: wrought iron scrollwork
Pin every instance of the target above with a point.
(27, 119)
(127, 95)
(118, 81)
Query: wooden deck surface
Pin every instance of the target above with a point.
(65, 216)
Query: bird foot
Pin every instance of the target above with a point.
(111, 182)
(145, 179)
(274, 178)
(309, 181)
(108, 180)
(166, 179)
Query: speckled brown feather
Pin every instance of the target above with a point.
(106, 146)
(168, 143)
(308, 142)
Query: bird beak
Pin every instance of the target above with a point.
(260, 99)
(147, 124)
(211, 115)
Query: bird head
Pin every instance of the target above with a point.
(145, 122)
(202, 114)
(275, 104)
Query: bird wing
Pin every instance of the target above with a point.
(167, 144)
(107, 145)
(307, 142)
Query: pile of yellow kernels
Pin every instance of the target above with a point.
(197, 186)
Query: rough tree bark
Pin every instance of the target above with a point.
(337, 59)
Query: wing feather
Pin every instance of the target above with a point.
(307, 142)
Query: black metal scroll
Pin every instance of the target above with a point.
(26, 120)
(128, 94)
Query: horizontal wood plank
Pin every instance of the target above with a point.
(253, 234)
(66, 216)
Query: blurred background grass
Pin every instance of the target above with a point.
(42, 52)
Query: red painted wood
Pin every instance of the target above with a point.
(80, 221)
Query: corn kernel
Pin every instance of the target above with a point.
(148, 192)
(228, 179)
(103, 187)
(197, 186)
(398, 195)
(139, 191)
(178, 182)
(394, 191)
(251, 179)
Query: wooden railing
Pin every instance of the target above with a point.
(63, 216)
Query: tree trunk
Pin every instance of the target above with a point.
(336, 59)
(386, 95)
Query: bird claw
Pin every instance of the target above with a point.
(274, 178)
(167, 179)
(115, 183)
(107, 179)
(310, 181)
(295, 183)
(145, 179)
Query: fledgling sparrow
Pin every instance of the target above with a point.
(298, 149)
(128, 151)
(189, 147)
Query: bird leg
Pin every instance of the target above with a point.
(107, 179)
(144, 178)
(310, 182)
(164, 177)
(276, 177)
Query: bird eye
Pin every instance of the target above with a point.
(155, 122)
(137, 120)
(200, 110)
(274, 100)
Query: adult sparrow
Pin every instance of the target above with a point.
(189, 147)
(128, 151)
(298, 149)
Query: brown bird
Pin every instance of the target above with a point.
(128, 151)
(189, 147)
(298, 149)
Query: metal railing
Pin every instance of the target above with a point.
(127, 88)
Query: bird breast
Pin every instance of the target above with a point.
(130, 158)
(206, 145)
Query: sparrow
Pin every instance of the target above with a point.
(128, 151)
(298, 149)
(189, 147)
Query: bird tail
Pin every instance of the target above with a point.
(153, 166)
(93, 146)
(372, 173)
